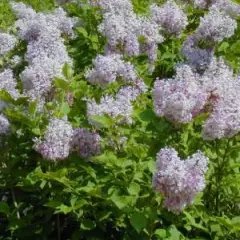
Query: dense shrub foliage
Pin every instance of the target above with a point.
(119, 119)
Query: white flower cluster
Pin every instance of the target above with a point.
(7, 43)
(118, 106)
(56, 144)
(179, 180)
(46, 52)
(108, 68)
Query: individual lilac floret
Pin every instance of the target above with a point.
(170, 17)
(7, 43)
(197, 58)
(108, 68)
(215, 26)
(4, 125)
(118, 106)
(178, 180)
(181, 98)
(86, 143)
(56, 143)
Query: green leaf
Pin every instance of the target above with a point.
(65, 109)
(82, 31)
(67, 71)
(88, 224)
(147, 115)
(121, 201)
(103, 121)
(32, 108)
(161, 233)
(138, 221)
(4, 208)
(174, 233)
(134, 189)
(61, 83)
(53, 204)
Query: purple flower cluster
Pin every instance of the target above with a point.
(120, 105)
(215, 26)
(85, 142)
(196, 57)
(225, 5)
(56, 143)
(108, 68)
(4, 125)
(46, 52)
(170, 17)
(9, 84)
(187, 95)
(181, 98)
(123, 28)
(179, 180)
(7, 43)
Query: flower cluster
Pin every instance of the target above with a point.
(108, 68)
(123, 28)
(179, 181)
(185, 96)
(118, 106)
(181, 98)
(9, 84)
(85, 142)
(8, 42)
(56, 144)
(4, 125)
(170, 17)
(215, 26)
(196, 57)
(225, 5)
(46, 52)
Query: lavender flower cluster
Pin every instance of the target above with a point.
(56, 144)
(86, 143)
(122, 27)
(118, 106)
(185, 96)
(60, 139)
(225, 5)
(215, 26)
(108, 68)
(46, 52)
(7, 43)
(179, 180)
(4, 125)
(9, 84)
